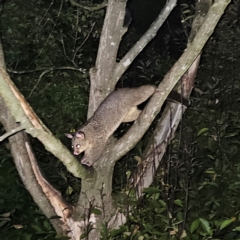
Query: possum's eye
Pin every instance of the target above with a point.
(78, 146)
(72, 146)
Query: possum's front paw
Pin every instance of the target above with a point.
(86, 162)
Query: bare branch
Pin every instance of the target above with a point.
(112, 32)
(126, 61)
(23, 165)
(163, 134)
(78, 48)
(47, 71)
(88, 7)
(130, 139)
(62, 209)
(82, 70)
(171, 116)
(64, 51)
(12, 132)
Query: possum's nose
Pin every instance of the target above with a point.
(76, 153)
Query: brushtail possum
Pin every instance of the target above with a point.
(120, 106)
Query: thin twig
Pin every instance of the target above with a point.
(82, 70)
(43, 73)
(88, 7)
(83, 41)
(12, 132)
(49, 36)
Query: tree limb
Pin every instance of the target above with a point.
(21, 159)
(12, 132)
(62, 209)
(24, 114)
(126, 61)
(130, 139)
(171, 116)
(163, 134)
(100, 75)
(23, 166)
(48, 70)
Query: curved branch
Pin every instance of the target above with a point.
(95, 7)
(24, 114)
(61, 207)
(12, 132)
(23, 166)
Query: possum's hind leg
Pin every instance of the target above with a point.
(132, 114)
(136, 96)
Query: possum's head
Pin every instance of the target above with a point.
(79, 142)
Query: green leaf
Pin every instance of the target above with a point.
(178, 202)
(116, 232)
(203, 130)
(226, 223)
(213, 184)
(151, 190)
(36, 228)
(96, 211)
(55, 217)
(83, 235)
(162, 203)
(63, 238)
(194, 226)
(205, 225)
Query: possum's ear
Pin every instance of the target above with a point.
(80, 135)
(69, 135)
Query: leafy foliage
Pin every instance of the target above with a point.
(196, 192)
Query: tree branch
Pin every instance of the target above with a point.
(21, 159)
(163, 134)
(130, 139)
(48, 70)
(23, 165)
(126, 61)
(12, 132)
(112, 32)
(85, 40)
(24, 114)
(62, 209)
(171, 116)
